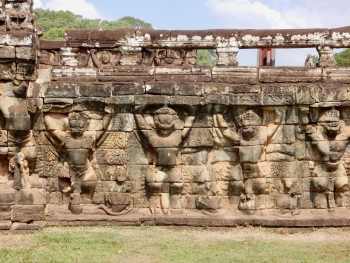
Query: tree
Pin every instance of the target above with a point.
(54, 23)
(343, 58)
(207, 57)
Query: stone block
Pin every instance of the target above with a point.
(136, 152)
(305, 94)
(216, 99)
(330, 93)
(189, 89)
(137, 172)
(289, 74)
(73, 74)
(126, 74)
(26, 71)
(18, 39)
(27, 213)
(245, 99)
(197, 173)
(60, 90)
(121, 100)
(159, 87)
(338, 75)
(278, 95)
(32, 197)
(284, 135)
(95, 89)
(8, 71)
(200, 137)
(185, 100)
(56, 198)
(38, 225)
(235, 75)
(244, 88)
(26, 53)
(128, 89)
(5, 225)
(7, 196)
(194, 73)
(7, 52)
(195, 156)
(152, 99)
(214, 89)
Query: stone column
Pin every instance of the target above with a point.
(326, 59)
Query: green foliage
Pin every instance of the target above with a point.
(343, 58)
(206, 57)
(54, 23)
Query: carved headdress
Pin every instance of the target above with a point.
(249, 118)
(330, 115)
(165, 110)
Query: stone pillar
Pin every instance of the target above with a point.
(227, 56)
(326, 59)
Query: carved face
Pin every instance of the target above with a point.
(249, 131)
(332, 125)
(77, 123)
(164, 123)
(105, 57)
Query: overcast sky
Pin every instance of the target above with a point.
(212, 14)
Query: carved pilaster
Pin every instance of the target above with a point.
(326, 57)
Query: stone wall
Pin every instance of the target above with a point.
(124, 127)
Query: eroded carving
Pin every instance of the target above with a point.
(164, 182)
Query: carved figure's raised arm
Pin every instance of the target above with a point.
(192, 110)
(318, 140)
(223, 130)
(141, 122)
(54, 128)
(272, 128)
(95, 59)
(106, 120)
(116, 60)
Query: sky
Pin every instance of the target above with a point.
(218, 14)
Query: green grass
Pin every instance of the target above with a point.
(160, 244)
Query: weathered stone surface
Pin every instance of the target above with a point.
(61, 90)
(73, 74)
(278, 95)
(236, 75)
(245, 99)
(288, 74)
(126, 74)
(32, 197)
(27, 213)
(95, 90)
(199, 137)
(189, 89)
(330, 93)
(123, 126)
(198, 73)
(128, 89)
(338, 75)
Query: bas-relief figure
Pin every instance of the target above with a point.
(79, 145)
(21, 146)
(330, 139)
(251, 139)
(164, 183)
(105, 58)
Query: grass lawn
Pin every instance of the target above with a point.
(163, 244)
